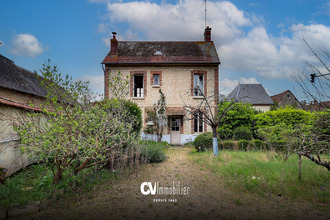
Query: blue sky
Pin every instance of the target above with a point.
(257, 41)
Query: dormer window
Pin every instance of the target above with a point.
(158, 53)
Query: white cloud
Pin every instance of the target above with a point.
(227, 85)
(102, 28)
(96, 82)
(183, 21)
(274, 57)
(26, 45)
(242, 39)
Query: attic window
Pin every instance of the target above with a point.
(158, 53)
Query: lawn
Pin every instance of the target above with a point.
(265, 173)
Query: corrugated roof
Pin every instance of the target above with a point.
(251, 93)
(173, 52)
(19, 79)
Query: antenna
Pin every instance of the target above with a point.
(205, 10)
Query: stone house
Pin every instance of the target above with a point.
(254, 94)
(18, 88)
(177, 68)
(286, 98)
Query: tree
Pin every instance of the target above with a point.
(316, 90)
(240, 115)
(211, 114)
(160, 116)
(73, 132)
(307, 136)
(315, 83)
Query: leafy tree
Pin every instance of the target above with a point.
(240, 115)
(305, 139)
(73, 132)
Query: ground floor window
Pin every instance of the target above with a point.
(198, 122)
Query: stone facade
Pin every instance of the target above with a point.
(286, 98)
(176, 84)
(175, 67)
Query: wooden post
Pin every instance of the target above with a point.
(299, 166)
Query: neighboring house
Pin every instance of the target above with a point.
(286, 98)
(18, 88)
(175, 67)
(254, 94)
(318, 106)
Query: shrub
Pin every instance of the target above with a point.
(288, 116)
(153, 152)
(227, 145)
(203, 141)
(257, 144)
(241, 115)
(242, 133)
(134, 111)
(243, 145)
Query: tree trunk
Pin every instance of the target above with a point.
(215, 141)
(299, 166)
(58, 174)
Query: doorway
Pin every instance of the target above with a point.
(175, 130)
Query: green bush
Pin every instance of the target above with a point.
(242, 133)
(203, 141)
(243, 145)
(288, 116)
(240, 115)
(153, 152)
(227, 145)
(135, 112)
(257, 144)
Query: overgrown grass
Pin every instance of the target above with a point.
(265, 173)
(153, 152)
(35, 184)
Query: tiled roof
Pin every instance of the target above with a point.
(18, 105)
(172, 52)
(19, 79)
(250, 93)
(279, 97)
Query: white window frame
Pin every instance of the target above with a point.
(154, 77)
(200, 122)
(198, 85)
(139, 91)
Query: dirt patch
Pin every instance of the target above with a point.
(208, 197)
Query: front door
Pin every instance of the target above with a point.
(175, 130)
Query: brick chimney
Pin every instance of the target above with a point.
(207, 34)
(114, 45)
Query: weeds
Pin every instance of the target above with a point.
(264, 173)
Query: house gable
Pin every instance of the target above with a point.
(286, 98)
(175, 67)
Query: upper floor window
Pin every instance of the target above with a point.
(138, 89)
(156, 79)
(198, 84)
